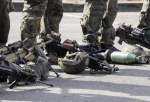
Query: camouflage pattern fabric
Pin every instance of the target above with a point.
(145, 14)
(34, 10)
(74, 63)
(99, 14)
(5, 7)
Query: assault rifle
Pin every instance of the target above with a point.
(131, 35)
(16, 74)
(25, 51)
(97, 61)
(22, 53)
(11, 48)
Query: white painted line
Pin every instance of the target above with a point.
(109, 93)
(128, 80)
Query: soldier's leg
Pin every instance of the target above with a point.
(111, 13)
(92, 16)
(145, 14)
(53, 16)
(33, 11)
(108, 34)
(4, 22)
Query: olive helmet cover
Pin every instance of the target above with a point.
(74, 63)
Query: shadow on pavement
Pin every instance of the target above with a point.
(73, 89)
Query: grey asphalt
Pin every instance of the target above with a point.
(130, 84)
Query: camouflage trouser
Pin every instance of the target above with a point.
(4, 21)
(34, 10)
(145, 14)
(99, 14)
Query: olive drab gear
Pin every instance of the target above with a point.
(41, 68)
(74, 63)
(123, 58)
(134, 49)
(34, 10)
(99, 14)
(130, 35)
(126, 57)
(22, 52)
(143, 54)
(14, 74)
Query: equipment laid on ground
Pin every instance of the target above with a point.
(22, 52)
(135, 36)
(132, 35)
(74, 63)
(25, 51)
(11, 48)
(134, 49)
(124, 58)
(97, 61)
(86, 56)
(14, 74)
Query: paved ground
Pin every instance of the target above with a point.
(131, 84)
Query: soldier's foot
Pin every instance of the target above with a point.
(56, 37)
(90, 38)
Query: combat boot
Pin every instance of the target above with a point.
(52, 48)
(52, 57)
(90, 38)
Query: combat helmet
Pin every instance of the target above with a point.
(74, 63)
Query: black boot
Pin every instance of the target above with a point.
(90, 38)
(52, 53)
